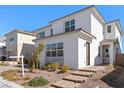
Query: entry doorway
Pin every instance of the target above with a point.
(87, 53)
(106, 54)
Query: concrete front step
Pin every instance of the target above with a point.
(65, 84)
(82, 73)
(88, 70)
(75, 78)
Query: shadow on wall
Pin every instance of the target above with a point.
(59, 60)
(2, 53)
(97, 60)
(117, 46)
(27, 50)
(115, 78)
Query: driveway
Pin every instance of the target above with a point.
(7, 84)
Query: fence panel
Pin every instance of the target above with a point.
(119, 59)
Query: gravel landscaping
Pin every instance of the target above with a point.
(105, 77)
(51, 76)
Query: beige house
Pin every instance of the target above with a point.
(2, 48)
(19, 42)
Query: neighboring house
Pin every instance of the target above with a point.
(2, 48)
(112, 42)
(80, 39)
(19, 42)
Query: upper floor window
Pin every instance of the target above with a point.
(70, 25)
(11, 39)
(51, 32)
(109, 29)
(42, 34)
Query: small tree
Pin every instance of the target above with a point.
(35, 57)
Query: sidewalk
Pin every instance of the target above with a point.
(8, 84)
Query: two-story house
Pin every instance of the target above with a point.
(19, 42)
(80, 39)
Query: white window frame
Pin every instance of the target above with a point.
(42, 34)
(11, 39)
(109, 28)
(69, 26)
(56, 49)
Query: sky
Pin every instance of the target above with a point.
(33, 17)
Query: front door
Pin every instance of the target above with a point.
(87, 54)
(106, 54)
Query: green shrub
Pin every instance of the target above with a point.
(55, 66)
(43, 67)
(48, 66)
(31, 65)
(26, 61)
(38, 81)
(64, 68)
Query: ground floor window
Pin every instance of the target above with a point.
(54, 50)
(60, 53)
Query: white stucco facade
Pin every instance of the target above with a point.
(88, 41)
(70, 53)
(97, 31)
(88, 45)
(74, 56)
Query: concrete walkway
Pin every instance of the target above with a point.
(8, 84)
(75, 79)
(5, 68)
